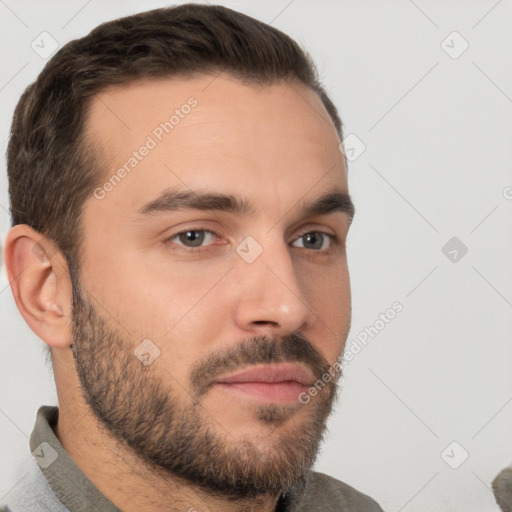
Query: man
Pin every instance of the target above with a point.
(180, 211)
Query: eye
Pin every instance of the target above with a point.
(316, 240)
(193, 237)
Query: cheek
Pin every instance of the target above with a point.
(181, 299)
(330, 294)
(153, 290)
(179, 307)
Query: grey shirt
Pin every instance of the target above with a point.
(52, 482)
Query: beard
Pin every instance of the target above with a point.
(176, 437)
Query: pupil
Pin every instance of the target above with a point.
(194, 236)
(314, 237)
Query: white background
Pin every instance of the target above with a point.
(438, 137)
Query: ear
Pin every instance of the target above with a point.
(39, 278)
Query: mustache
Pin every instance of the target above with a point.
(293, 348)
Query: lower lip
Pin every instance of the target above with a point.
(268, 392)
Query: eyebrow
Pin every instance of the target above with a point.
(336, 200)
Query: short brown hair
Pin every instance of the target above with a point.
(51, 167)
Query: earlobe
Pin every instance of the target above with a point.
(39, 280)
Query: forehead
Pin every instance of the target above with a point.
(118, 107)
(214, 130)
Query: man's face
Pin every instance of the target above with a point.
(174, 306)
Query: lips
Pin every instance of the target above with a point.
(280, 383)
(271, 374)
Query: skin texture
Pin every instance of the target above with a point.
(207, 310)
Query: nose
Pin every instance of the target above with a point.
(271, 296)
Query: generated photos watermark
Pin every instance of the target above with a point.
(356, 345)
(156, 136)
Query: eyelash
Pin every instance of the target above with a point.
(334, 240)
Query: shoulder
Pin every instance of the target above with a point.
(502, 488)
(31, 492)
(324, 492)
